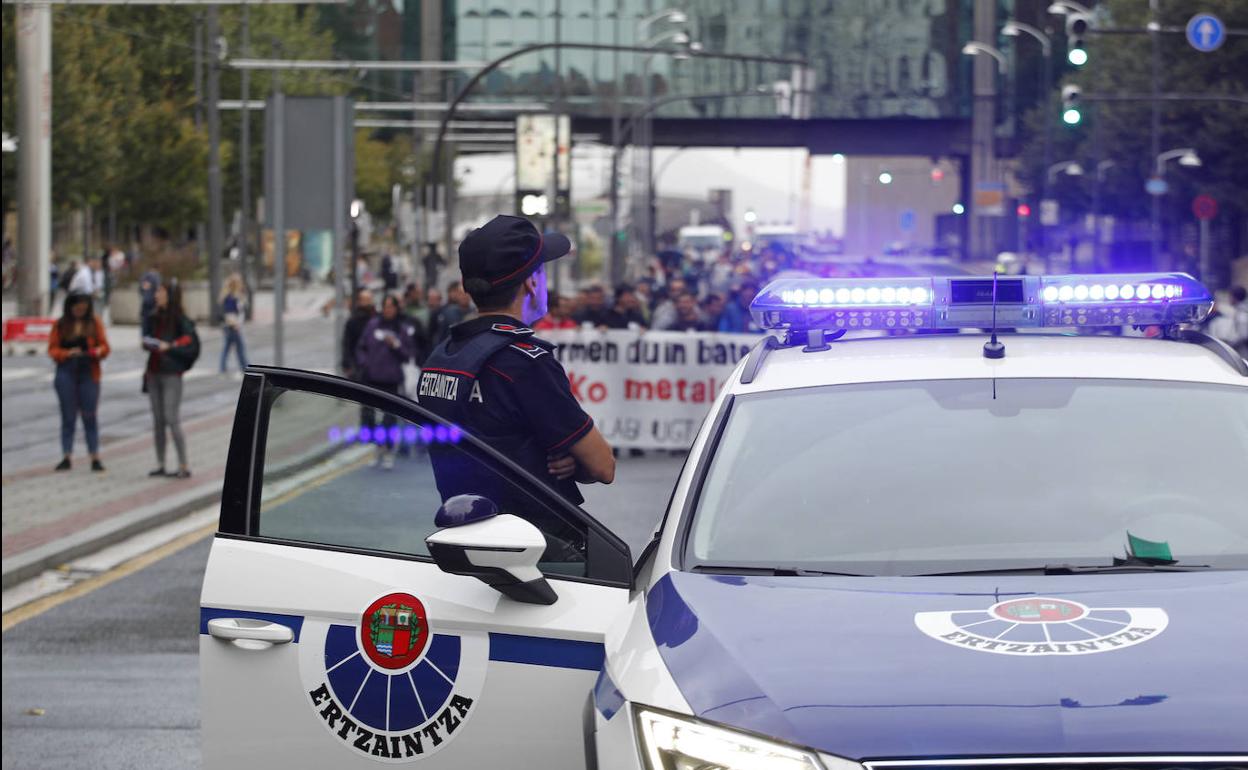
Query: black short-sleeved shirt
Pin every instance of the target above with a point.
(524, 389)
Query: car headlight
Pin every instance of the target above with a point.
(671, 742)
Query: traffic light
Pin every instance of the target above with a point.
(1076, 29)
(1072, 113)
(1023, 211)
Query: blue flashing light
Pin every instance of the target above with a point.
(965, 302)
(366, 435)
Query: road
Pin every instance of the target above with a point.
(116, 674)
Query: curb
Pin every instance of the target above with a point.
(32, 563)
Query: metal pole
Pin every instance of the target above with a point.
(339, 194)
(647, 165)
(1048, 141)
(201, 229)
(462, 93)
(1206, 269)
(553, 221)
(615, 272)
(278, 218)
(244, 169)
(1155, 39)
(216, 225)
(34, 105)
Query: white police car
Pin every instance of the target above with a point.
(930, 550)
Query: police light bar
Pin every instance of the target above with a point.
(966, 302)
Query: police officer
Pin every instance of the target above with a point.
(498, 381)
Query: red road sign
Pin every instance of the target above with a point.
(1204, 207)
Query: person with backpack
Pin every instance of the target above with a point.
(77, 344)
(173, 346)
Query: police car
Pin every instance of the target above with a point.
(1014, 547)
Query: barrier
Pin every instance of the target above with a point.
(27, 333)
(648, 390)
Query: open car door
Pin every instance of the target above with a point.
(329, 635)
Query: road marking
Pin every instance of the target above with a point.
(40, 606)
(282, 492)
(10, 375)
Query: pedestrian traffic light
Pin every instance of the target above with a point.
(1071, 111)
(1023, 211)
(1076, 29)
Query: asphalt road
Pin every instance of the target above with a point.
(31, 416)
(116, 672)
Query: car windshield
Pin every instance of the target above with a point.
(963, 475)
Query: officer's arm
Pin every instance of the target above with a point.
(594, 459)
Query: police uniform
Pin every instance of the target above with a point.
(494, 378)
(497, 380)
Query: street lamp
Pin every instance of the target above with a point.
(974, 47)
(1187, 157)
(1064, 7)
(1014, 29)
(680, 38)
(1071, 167)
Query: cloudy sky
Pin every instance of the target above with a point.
(765, 180)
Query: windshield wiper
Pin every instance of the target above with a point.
(776, 571)
(1074, 569)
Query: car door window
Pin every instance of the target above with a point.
(339, 474)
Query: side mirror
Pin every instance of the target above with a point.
(500, 550)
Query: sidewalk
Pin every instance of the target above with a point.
(52, 518)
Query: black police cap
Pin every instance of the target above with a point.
(505, 251)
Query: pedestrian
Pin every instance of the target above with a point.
(504, 385)
(736, 315)
(688, 318)
(712, 307)
(458, 308)
(626, 312)
(385, 345)
(557, 316)
(54, 274)
(77, 343)
(432, 262)
(173, 346)
(665, 312)
(148, 285)
(84, 277)
(389, 273)
(362, 310)
(433, 304)
(418, 316)
(1239, 315)
(233, 302)
(595, 311)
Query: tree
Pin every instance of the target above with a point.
(1119, 132)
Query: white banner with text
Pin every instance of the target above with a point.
(648, 390)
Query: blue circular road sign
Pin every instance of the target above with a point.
(1206, 32)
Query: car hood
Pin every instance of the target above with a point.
(903, 667)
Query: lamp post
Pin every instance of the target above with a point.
(1097, 216)
(1014, 29)
(984, 137)
(1187, 157)
(646, 220)
(1071, 167)
(670, 15)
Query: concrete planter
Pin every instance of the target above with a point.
(123, 305)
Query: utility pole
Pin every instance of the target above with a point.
(983, 134)
(244, 171)
(216, 226)
(1154, 36)
(277, 216)
(201, 229)
(34, 108)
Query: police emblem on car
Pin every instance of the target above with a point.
(1037, 625)
(392, 687)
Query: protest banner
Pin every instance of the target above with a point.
(648, 390)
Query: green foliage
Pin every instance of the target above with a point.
(380, 164)
(1119, 132)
